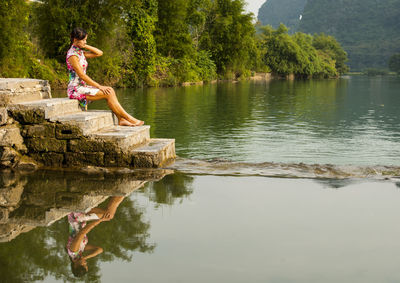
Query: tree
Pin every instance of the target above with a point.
(14, 44)
(57, 18)
(172, 31)
(230, 36)
(394, 63)
(141, 55)
(331, 47)
(295, 54)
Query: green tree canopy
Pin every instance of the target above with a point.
(394, 63)
(230, 36)
(296, 54)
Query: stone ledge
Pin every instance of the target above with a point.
(154, 154)
(14, 90)
(10, 135)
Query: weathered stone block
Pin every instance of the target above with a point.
(11, 196)
(84, 158)
(154, 154)
(40, 199)
(3, 215)
(117, 159)
(8, 156)
(10, 135)
(8, 178)
(26, 164)
(10, 231)
(31, 116)
(3, 116)
(50, 159)
(77, 201)
(143, 161)
(39, 131)
(65, 132)
(46, 144)
(85, 145)
(29, 214)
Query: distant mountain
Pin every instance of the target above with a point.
(274, 12)
(369, 30)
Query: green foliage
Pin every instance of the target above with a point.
(230, 37)
(141, 53)
(329, 45)
(156, 42)
(171, 71)
(372, 72)
(394, 63)
(172, 32)
(296, 54)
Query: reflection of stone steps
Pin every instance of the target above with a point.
(58, 133)
(28, 201)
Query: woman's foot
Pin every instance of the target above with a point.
(124, 122)
(139, 123)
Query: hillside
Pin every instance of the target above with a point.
(274, 12)
(369, 30)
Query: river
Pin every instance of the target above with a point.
(278, 181)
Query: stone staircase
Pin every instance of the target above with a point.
(57, 133)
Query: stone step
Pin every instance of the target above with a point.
(88, 122)
(14, 90)
(123, 137)
(155, 153)
(49, 107)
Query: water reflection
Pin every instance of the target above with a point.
(78, 248)
(37, 209)
(174, 187)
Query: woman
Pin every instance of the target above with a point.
(82, 87)
(80, 224)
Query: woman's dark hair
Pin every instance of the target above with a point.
(78, 270)
(78, 33)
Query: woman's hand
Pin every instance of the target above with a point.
(80, 43)
(105, 89)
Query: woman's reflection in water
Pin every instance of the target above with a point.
(77, 247)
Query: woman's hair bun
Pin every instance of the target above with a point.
(78, 33)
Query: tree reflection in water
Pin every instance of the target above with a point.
(171, 188)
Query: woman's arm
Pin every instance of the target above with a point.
(76, 242)
(93, 52)
(74, 61)
(94, 250)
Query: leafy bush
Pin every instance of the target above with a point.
(375, 72)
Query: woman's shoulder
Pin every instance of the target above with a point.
(74, 50)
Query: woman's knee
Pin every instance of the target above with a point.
(111, 94)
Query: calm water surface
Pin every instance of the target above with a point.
(214, 229)
(200, 227)
(353, 120)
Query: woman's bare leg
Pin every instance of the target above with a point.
(124, 119)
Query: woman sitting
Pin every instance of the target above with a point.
(82, 87)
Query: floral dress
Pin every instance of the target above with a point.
(77, 88)
(77, 221)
